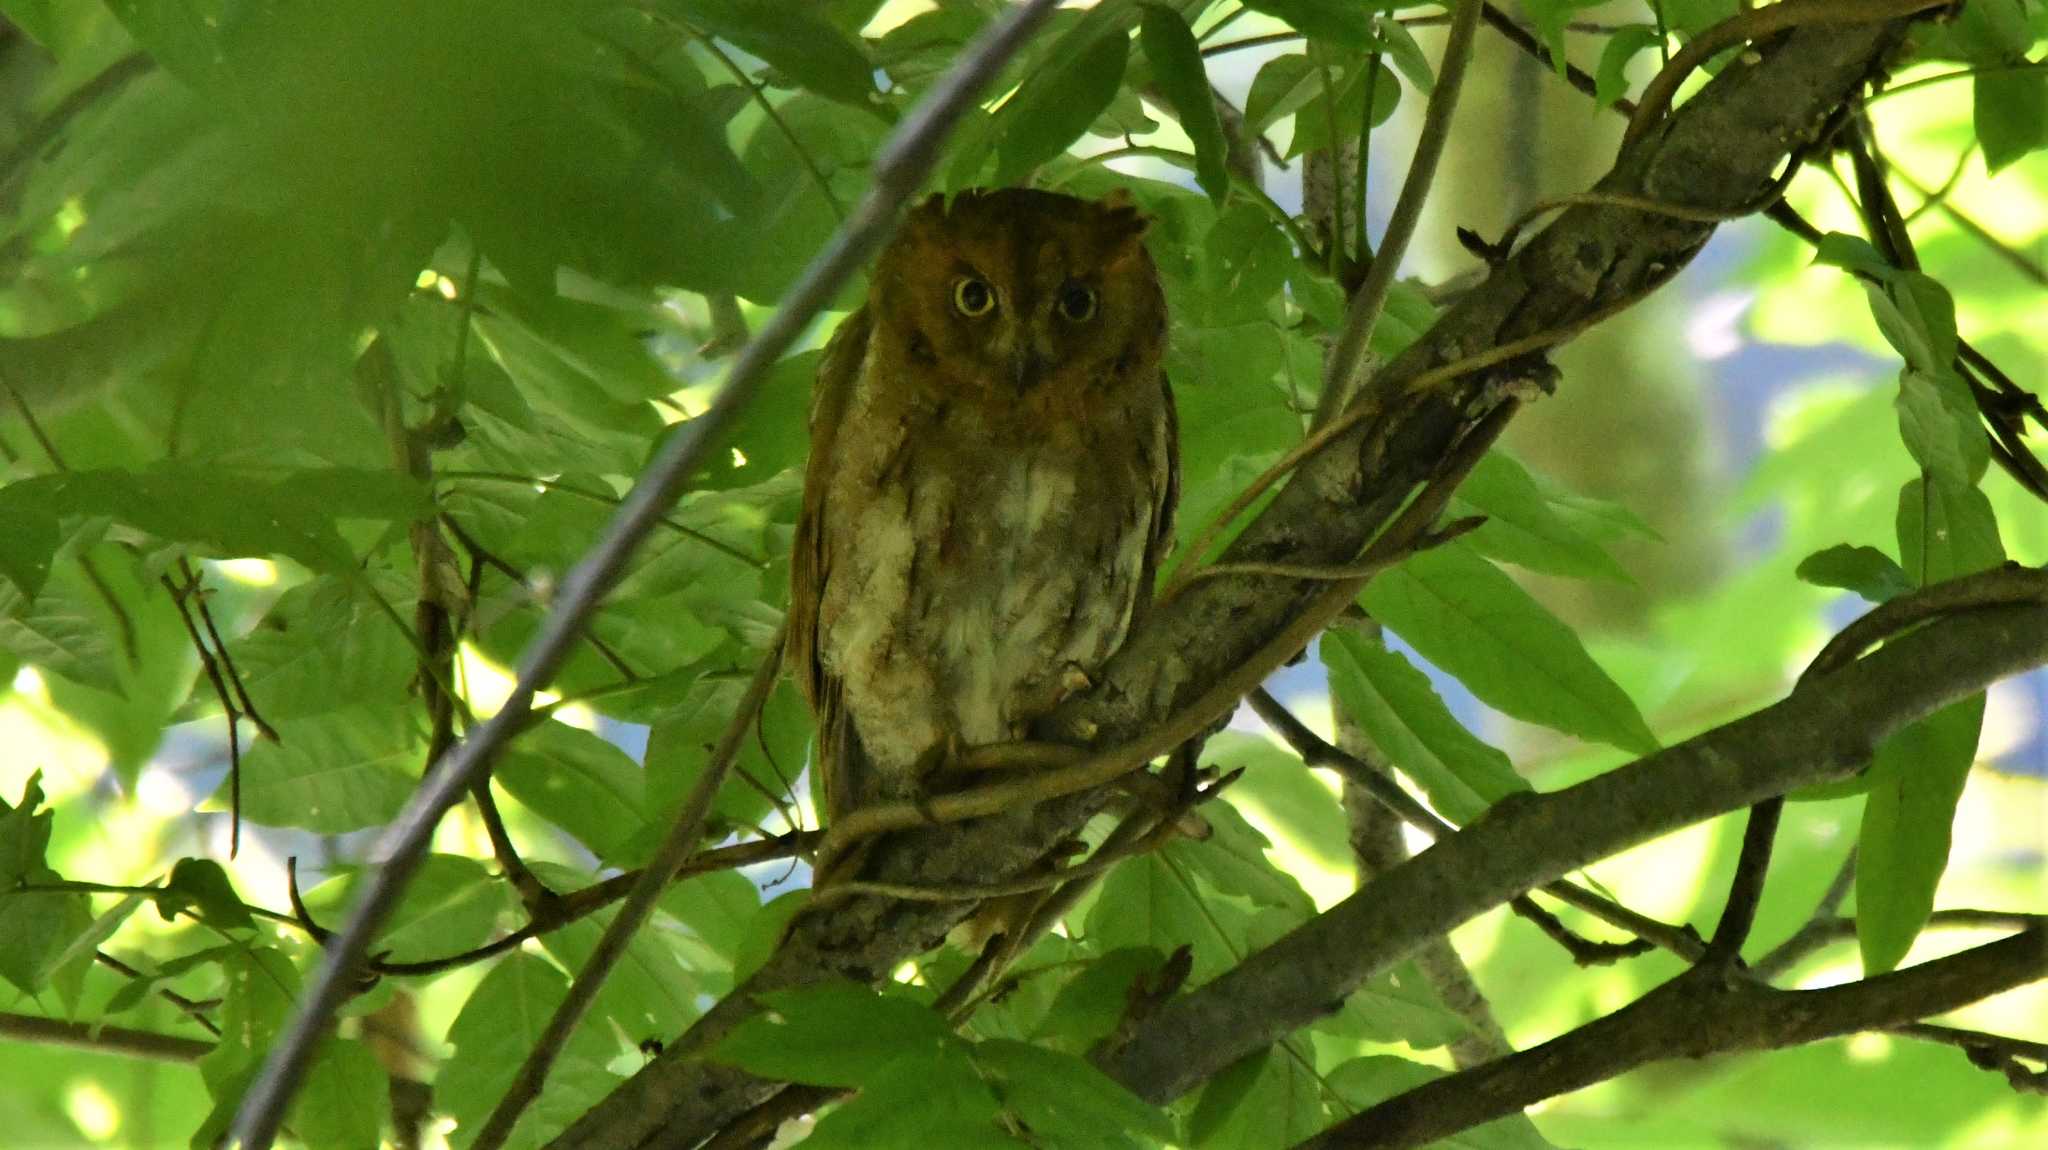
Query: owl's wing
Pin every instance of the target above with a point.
(1166, 501)
(810, 562)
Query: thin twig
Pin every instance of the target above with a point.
(1347, 358)
(98, 1036)
(606, 498)
(768, 109)
(1317, 751)
(196, 1011)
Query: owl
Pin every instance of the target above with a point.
(991, 483)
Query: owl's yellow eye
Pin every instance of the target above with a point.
(1077, 303)
(973, 297)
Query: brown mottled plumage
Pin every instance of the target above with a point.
(991, 482)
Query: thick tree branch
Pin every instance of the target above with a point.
(1820, 732)
(1717, 152)
(1694, 1015)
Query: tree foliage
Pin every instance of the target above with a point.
(333, 334)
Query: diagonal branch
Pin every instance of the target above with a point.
(1822, 731)
(1697, 1014)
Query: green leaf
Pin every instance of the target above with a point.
(1865, 570)
(1461, 613)
(324, 645)
(35, 928)
(654, 989)
(2011, 115)
(452, 905)
(1154, 902)
(1945, 531)
(1522, 526)
(1406, 54)
(808, 49)
(1550, 18)
(772, 435)
(833, 1035)
(928, 1100)
(1064, 1099)
(498, 1026)
(331, 773)
(1245, 261)
(1339, 22)
(1623, 44)
(63, 632)
(231, 511)
(679, 750)
(201, 885)
(716, 907)
(1090, 1004)
(1366, 97)
(1080, 75)
(764, 931)
(342, 1101)
(1271, 1099)
(1282, 87)
(1396, 1005)
(1364, 1082)
(1851, 253)
(153, 684)
(26, 548)
(1177, 68)
(1916, 779)
(578, 782)
(1938, 421)
(1233, 860)
(1285, 795)
(1399, 710)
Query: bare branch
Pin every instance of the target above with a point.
(1824, 730)
(1694, 1015)
(106, 1039)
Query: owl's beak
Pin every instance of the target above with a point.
(1025, 370)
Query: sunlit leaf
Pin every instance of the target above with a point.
(1916, 779)
(1865, 570)
(1177, 68)
(1396, 706)
(1467, 617)
(834, 1035)
(336, 772)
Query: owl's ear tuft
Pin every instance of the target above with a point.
(1122, 224)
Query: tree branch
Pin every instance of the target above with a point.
(1697, 1014)
(105, 1039)
(1821, 731)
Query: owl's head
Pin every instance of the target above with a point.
(1017, 291)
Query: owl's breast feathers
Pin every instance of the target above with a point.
(958, 554)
